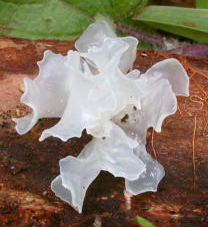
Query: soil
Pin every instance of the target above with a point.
(28, 166)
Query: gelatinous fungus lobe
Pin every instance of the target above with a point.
(95, 88)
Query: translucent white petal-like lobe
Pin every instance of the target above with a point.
(158, 103)
(172, 70)
(24, 124)
(113, 154)
(104, 55)
(60, 191)
(116, 154)
(94, 99)
(47, 95)
(122, 48)
(86, 103)
(150, 178)
(129, 56)
(127, 91)
(71, 124)
(115, 88)
(94, 36)
(77, 175)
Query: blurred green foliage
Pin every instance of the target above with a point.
(58, 19)
(187, 22)
(202, 4)
(66, 19)
(143, 222)
(46, 20)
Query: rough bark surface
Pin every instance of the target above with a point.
(27, 166)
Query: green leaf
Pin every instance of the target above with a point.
(187, 22)
(202, 4)
(122, 8)
(87, 6)
(117, 10)
(49, 19)
(59, 19)
(24, 1)
(143, 222)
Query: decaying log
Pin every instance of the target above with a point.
(27, 166)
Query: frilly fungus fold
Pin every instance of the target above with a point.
(96, 89)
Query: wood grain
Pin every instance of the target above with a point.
(27, 166)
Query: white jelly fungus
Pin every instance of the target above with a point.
(95, 88)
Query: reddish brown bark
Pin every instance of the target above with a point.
(27, 166)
